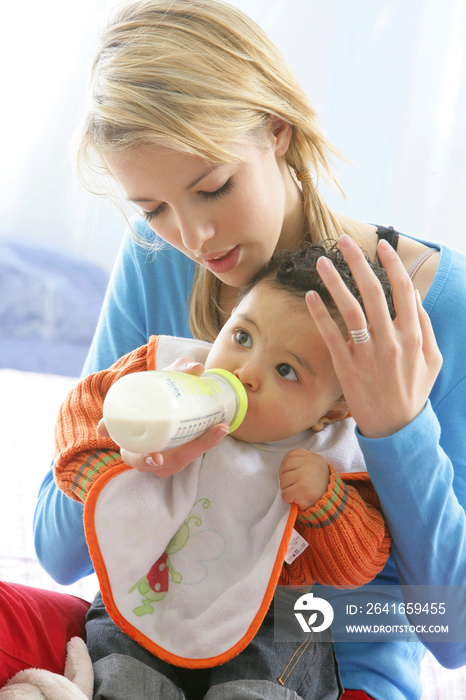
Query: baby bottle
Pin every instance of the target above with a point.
(156, 410)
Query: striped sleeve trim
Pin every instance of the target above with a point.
(91, 470)
(330, 506)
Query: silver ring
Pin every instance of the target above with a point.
(360, 336)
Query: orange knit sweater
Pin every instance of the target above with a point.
(348, 539)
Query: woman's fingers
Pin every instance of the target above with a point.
(187, 365)
(328, 329)
(347, 304)
(372, 293)
(387, 378)
(176, 459)
(431, 351)
(102, 429)
(376, 312)
(402, 287)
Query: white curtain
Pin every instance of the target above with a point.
(387, 77)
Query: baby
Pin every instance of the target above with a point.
(295, 421)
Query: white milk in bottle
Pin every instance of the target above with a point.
(157, 410)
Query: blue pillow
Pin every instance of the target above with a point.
(49, 306)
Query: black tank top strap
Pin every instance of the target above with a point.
(390, 235)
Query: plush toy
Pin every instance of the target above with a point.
(77, 683)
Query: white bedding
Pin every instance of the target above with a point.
(29, 403)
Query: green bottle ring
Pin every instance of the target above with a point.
(242, 406)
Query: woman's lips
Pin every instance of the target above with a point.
(223, 262)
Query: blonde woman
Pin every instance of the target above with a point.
(198, 121)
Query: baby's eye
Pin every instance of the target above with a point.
(243, 338)
(287, 372)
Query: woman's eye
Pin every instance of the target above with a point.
(221, 192)
(149, 215)
(243, 338)
(216, 194)
(287, 372)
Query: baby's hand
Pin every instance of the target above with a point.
(174, 460)
(304, 478)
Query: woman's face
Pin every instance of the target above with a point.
(229, 217)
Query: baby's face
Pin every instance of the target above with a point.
(274, 348)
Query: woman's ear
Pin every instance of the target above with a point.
(339, 411)
(281, 133)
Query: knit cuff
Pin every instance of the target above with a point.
(329, 507)
(77, 480)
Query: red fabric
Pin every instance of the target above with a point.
(35, 626)
(356, 695)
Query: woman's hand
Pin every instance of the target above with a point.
(387, 380)
(304, 478)
(174, 460)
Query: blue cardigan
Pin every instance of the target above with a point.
(419, 473)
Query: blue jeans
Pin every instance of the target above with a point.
(265, 670)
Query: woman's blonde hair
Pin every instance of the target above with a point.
(198, 76)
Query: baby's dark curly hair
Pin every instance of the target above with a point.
(295, 271)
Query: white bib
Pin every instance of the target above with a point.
(188, 564)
